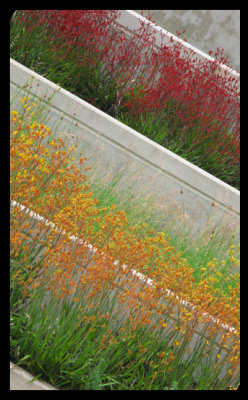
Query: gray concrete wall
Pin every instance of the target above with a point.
(113, 148)
(205, 29)
(20, 379)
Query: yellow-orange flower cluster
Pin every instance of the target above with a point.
(45, 180)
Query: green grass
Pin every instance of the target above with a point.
(48, 339)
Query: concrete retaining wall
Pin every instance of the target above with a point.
(114, 148)
(20, 379)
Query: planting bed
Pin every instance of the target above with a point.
(99, 305)
(139, 281)
(72, 209)
(154, 82)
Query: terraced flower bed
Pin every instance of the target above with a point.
(102, 298)
(78, 320)
(188, 105)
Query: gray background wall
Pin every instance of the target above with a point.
(205, 29)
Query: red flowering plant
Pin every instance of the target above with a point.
(195, 103)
